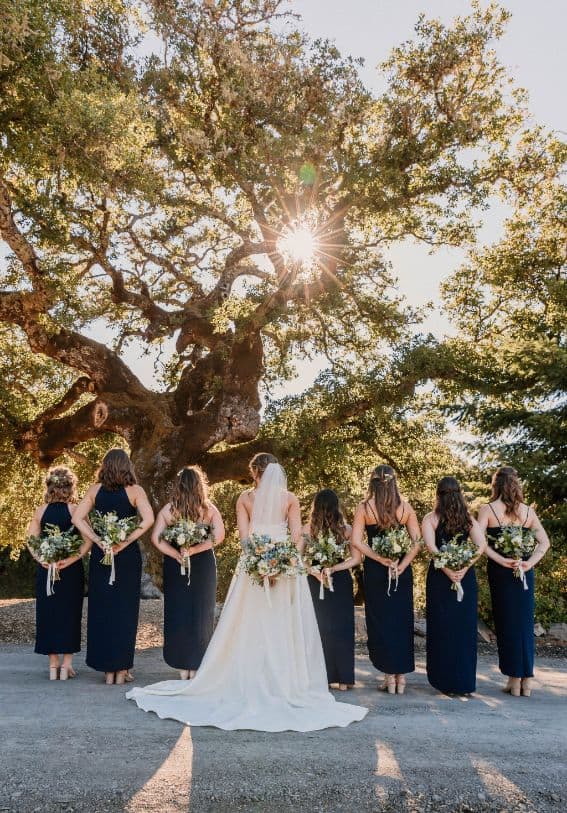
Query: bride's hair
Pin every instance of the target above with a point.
(326, 515)
(190, 496)
(506, 486)
(383, 487)
(260, 463)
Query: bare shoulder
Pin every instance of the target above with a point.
(484, 509)
(430, 519)
(348, 531)
(245, 498)
(136, 493)
(292, 499)
(39, 511)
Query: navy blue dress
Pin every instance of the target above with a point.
(513, 613)
(451, 642)
(58, 617)
(188, 610)
(113, 608)
(389, 618)
(335, 618)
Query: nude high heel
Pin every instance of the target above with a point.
(109, 678)
(184, 674)
(527, 687)
(389, 684)
(400, 684)
(514, 687)
(121, 678)
(53, 673)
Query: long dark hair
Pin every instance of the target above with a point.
(451, 507)
(190, 494)
(260, 463)
(116, 470)
(326, 515)
(506, 486)
(383, 487)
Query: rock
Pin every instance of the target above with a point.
(485, 633)
(558, 633)
(555, 797)
(148, 588)
(481, 797)
(420, 627)
(539, 630)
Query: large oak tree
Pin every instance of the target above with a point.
(152, 157)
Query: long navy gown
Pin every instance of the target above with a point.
(113, 608)
(335, 619)
(58, 617)
(513, 612)
(451, 643)
(389, 618)
(188, 610)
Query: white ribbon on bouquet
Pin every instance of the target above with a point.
(267, 590)
(109, 552)
(52, 577)
(322, 585)
(393, 569)
(186, 566)
(521, 574)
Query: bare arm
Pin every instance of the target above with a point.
(243, 516)
(543, 543)
(484, 514)
(80, 516)
(217, 522)
(83, 550)
(305, 532)
(164, 519)
(294, 519)
(353, 560)
(34, 529)
(139, 500)
(412, 527)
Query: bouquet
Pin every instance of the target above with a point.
(112, 531)
(324, 551)
(516, 542)
(53, 545)
(264, 560)
(392, 544)
(455, 555)
(185, 533)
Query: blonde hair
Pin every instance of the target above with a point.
(60, 485)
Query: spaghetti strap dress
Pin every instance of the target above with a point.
(389, 618)
(113, 608)
(451, 643)
(513, 611)
(58, 617)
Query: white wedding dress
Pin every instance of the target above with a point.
(264, 667)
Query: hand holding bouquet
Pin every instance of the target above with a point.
(184, 534)
(112, 531)
(266, 560)
(455, 555)
(516, 542)
(322, 552)
(392, 544)
(52, 546)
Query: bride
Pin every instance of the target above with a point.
(264, 667)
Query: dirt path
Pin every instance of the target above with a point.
(80, 746)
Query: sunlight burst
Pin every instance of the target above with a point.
(298, 244)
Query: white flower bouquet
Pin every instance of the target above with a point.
(265, 560)
(516, 542)
(321, 552)
(184, 534)
(392, 544)
(51, 546)
(456, 554)
(112, 531)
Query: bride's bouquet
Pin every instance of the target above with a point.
(184, 534)
(112, 531)
(322, 552)
(265, 559)
(455, 554)
(392, 544)
(52, 546)
(516, 542)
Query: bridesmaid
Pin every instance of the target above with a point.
(335, 613)
(389, 618)
(512, 606)
(451, 625)
(58, 617)
(112, 619)
(189, 609)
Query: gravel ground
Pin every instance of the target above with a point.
(81, 747)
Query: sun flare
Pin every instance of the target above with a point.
(299, 244)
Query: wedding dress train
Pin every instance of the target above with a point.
(264, 668)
